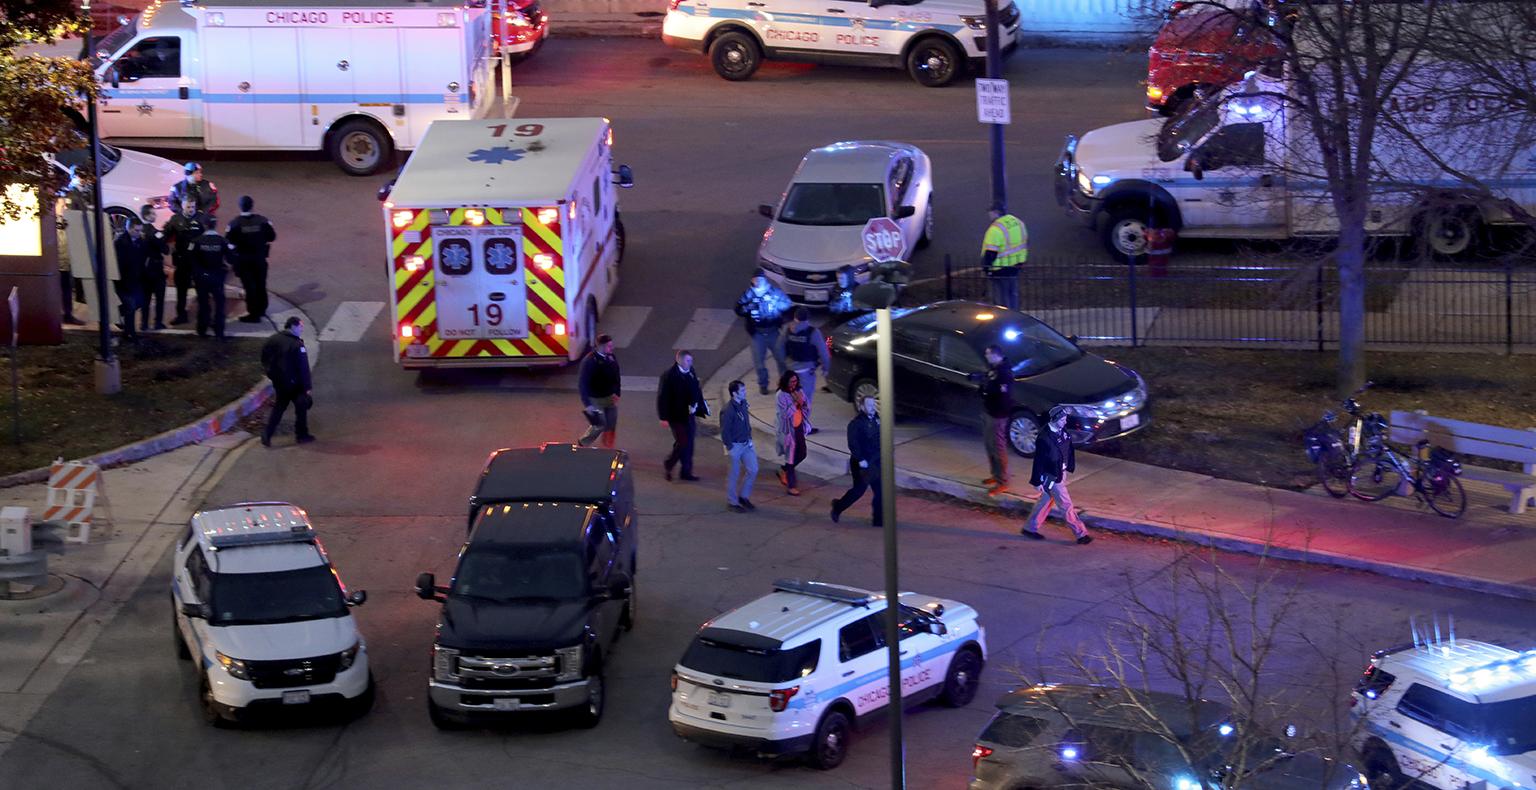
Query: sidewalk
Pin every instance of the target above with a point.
(1487, 550)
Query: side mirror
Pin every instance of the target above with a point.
(902, 212)
(937, 628)
(1195, 167)
(385, 190)
(426, 587)
(626, 177)
(765, 209)
(198, 610)
(357, 598)
(112, 74)
(618, 586)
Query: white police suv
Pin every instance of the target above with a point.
(1449, 715)
(795, 670)
(931, 39)
(256, 600)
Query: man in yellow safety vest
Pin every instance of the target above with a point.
(1004, 249)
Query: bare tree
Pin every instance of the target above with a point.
(36, 94)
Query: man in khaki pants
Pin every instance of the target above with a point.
(1053, 461)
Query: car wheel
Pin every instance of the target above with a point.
(588, 715)
(862, 388)
(117, 220)
(360, 148)
(362, 703)
(934, 62)
(927, 237)
(1381, 769)
(961, 681)
(1023, 429)
(442, 719)
(735, 56)
(212, 714)
(1450, 233)
(1125, 234)
(182, 652)
(829, 747)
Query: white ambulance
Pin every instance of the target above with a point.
(355, 78)
(504, 242)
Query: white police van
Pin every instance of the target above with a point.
(256, 600)
(1450, 715)
(932, 39)
(795, 670)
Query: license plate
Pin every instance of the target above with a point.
(719, 700)
(417, 351)
(1130, 421)
(816, 296)
(295, 697)
(505, 703)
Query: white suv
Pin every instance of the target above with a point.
(255, 598)
(795, 670)
(1450, 715)
(931, 39)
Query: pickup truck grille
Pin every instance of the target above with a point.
(292, 672)
(508, 672)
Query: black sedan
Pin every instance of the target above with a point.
(937, 348)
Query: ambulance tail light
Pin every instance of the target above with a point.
(474, 216)
(559, 327)
(415, 263)
(778, 699)
(407, 331)
(609, 138)
(549, 216)
(674, 681)
(544, 261)
(402, 218)
(570, 211)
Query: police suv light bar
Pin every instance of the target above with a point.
(223, 529)
(831, 592)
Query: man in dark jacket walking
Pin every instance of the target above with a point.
(132, 257)
(286, 362)
(763, 306)
(863, 462)
(598, 384)
(736, 435)
(997, 408)
(152, 280)
(181, 232)
(679, 399)
(209, 270)
(1054, 460)
(251, 236)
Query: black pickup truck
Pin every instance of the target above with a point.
(545, 583)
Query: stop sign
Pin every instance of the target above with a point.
(882, 239)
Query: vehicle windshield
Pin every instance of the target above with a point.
(506, 573)
(1510, 726)
(80, 158)
(1036, 348)
(279, 597)
(832, 204)
(759, 665)
(1185, 130)
(114, 41)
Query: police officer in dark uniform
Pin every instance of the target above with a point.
(152, 279)
(251, 236)
(287, 364)
(211, 251)
(181, 232)
(196, 187)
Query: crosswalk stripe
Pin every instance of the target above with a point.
(707, 329)
(350, 320)
(623, 322)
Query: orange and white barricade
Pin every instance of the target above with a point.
(72, 490)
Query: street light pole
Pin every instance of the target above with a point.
(995, 130)
(108, 376)
(886, 381)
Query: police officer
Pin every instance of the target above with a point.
(1004, 248)
(133, 253)
(211, 251)
(181, 232)
(863, 462)
(763, 306)
(804, 349)
(286, 363)
(251, 235)
(152, 280)
(194, 186)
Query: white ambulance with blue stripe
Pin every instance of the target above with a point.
(933, 40)
(1451, 715)
(359, 79)
(796, 670)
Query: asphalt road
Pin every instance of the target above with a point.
(387, 483)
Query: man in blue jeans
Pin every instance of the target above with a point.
(763, 306)
(736, 435)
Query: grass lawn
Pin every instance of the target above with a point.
(1239, 414)
(168, 380)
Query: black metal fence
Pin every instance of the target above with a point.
(1287, 305)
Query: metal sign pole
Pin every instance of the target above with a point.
(14, 301)
(886, 381)
(995, 130)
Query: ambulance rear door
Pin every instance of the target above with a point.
(480, 288)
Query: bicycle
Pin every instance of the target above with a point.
(1433, 474)
(1334, 452)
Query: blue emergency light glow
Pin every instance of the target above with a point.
(1225, 730)
(1495, 673)
(1069, 753)
(1010, 334)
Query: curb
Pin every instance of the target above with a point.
(834, 464)
(207, 427)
